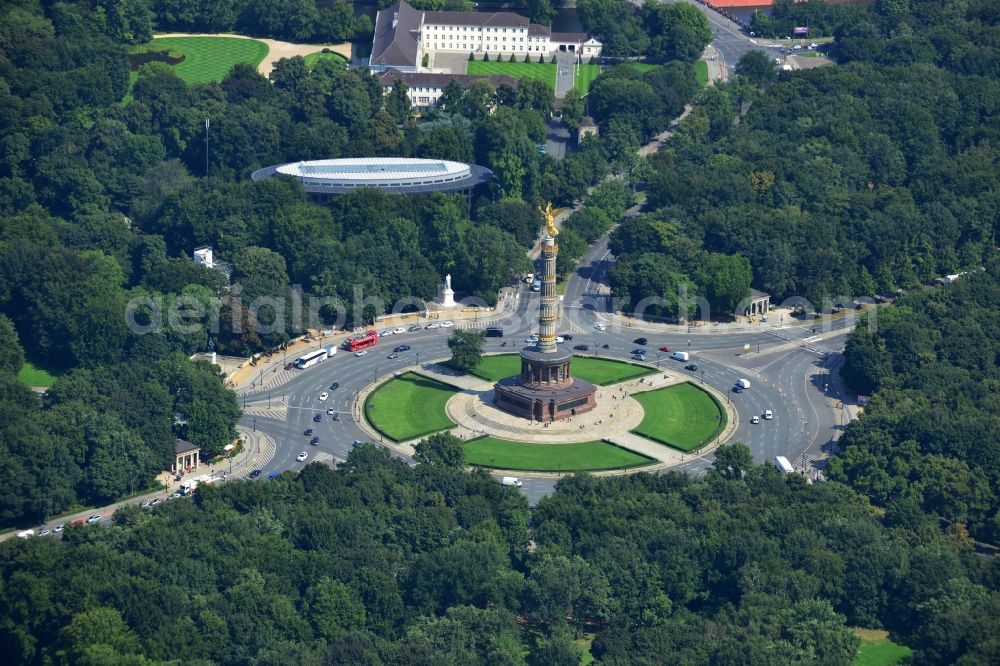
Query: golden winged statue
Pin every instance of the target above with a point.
(550, 220)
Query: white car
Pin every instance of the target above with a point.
(302, 456)
(768, 415)
(323, 396)
(600, 327)
(531, 340)
(59, 528)
(754, 419)
(363, 352)
(331, 411)
(44, 532)
(96, 518)
(560, 339)
(447, 324)
(398, 330)
(386, 332)
(432, 326)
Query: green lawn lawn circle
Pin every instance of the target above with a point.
(600, 371)
(523, 456)
(409, 406)
(682, 416)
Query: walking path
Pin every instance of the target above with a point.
(276, 50)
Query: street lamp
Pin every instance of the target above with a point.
(702, 375)
(255, 424)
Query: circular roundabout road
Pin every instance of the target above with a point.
(788, 376)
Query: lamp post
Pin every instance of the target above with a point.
(255, 424)
(269, 400)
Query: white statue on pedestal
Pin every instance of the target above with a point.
(447, 294)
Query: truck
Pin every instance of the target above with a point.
(680, 356)
(743, 384)
(511, 481)
(330, 350)
(188, 487)
(782, 465)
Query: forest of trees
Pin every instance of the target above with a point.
(837, 182)
(381, 563)
(663, 32)
(928, 439)
(822, 18)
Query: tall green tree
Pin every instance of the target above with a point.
(466, 349)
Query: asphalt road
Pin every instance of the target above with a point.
(729, 39)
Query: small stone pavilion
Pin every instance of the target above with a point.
(185, 457)
(760, 303)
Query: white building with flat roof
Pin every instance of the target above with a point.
(404, 34)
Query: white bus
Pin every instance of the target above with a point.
(310, 359)
(782, 465)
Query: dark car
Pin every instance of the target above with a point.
(336, 417)
(640, 341)
(308, 432)
(334, 386)
(737, 389)
(581, 347)
(254, 474)
(314, 441)
(691, 366)
(289, 366)
(638, 352)
(566, 336)
(400, 348)
(494, 332)
(317, 418)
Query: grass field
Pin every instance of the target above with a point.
(877, 650)
(701, 71)
(600, 371)
(209, 58)
(313, 58)
(583, 76)
(545, 71)
(682, 416)
(33, 376)
(523, 456)
(409, 406)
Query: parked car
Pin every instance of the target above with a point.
(431, 326)
(386, 332)
(44, 532)
(155, 502)
(175, 495)
(416, 327)
(323, 396)
(336, 417)
(302, 456)
(59, 528)
(362, 352)
(96, 518)
(640, 341)
(317, 417)
(398, 330)
(331, 411)
(447, 324)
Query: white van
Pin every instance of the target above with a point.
(511, 481)
(768, 415)
(26, 534)
(743, 384)
(680, 356)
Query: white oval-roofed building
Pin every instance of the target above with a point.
(395, 175)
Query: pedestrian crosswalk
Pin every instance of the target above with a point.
(275, 413)
(327, 459)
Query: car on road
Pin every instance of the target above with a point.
(96, 518)
(254, 474)
(691, 366)
(581, 347)
(59, 528)
(754, 419)
(308, 432)
(357, 442)
(638, 351)
(323, 396)
(665, 348)
(531, 339)
(560, 339)
(334, 386)
(317, 417)
(737, 389)
(431, 326)
(289, 366)
(640, 341)
(314, 441)
(155, 502)
(393, 355)
(302, 456)
(600, 327)
(386, 332)
(398, 330)
(415, 328)
(44, 532)
(447, 324)
(362, 352)
(400, 349)
(144, 503)
(768, 415)
(336, 417)
(330, 411)
(175, 495)
(566, 336)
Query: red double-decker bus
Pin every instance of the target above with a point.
(367, 339)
